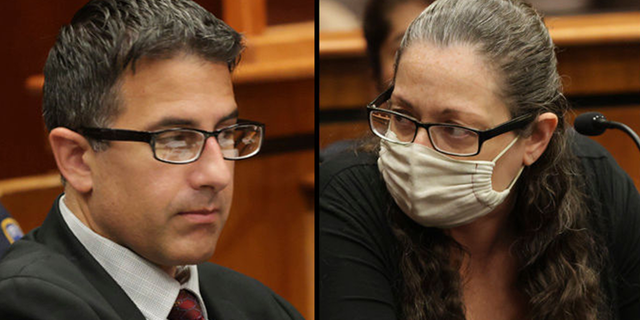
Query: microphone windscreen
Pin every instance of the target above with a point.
(590, 123)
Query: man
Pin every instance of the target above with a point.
(144, 129)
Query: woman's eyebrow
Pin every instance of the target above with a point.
(399, 100)
(445, 112)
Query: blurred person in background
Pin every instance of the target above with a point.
(384, 24)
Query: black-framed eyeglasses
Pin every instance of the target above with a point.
(182, 145)
(450, 139)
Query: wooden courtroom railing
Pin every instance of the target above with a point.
(598, 58)
(29, 199)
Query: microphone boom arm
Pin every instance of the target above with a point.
(625, 128)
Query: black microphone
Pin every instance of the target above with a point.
(594, 124)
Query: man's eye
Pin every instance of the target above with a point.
(175, 144)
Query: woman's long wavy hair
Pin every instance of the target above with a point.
(559, 258)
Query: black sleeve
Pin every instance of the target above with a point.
(619, 205)
(625, 247)
(627, 251)
(356, 274)
(228, 294)
(30, 298)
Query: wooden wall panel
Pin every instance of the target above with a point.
(600, 69)
(28, 29)
(335, 131)
(286, 108)
(345, 83)
(279, 11)
(267, 235)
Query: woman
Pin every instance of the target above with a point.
(480, 203)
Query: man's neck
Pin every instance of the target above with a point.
(78, 206)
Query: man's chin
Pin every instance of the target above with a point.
(193, 254)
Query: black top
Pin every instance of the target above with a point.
(49, 275)
(358, 261)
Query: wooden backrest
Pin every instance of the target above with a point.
(28, 199)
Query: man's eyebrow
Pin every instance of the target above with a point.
(169, 122)
(231, 115)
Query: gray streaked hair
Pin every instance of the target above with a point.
(511, 38)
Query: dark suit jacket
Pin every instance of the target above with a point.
(49, 275)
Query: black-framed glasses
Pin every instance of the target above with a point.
(450, 139)
(182, 145)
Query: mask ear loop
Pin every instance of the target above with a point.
(501, 154)
(505, 150)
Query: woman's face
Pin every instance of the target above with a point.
(454, 85)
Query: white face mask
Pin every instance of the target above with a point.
(438, 191)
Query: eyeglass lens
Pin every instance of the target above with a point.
(449, 139)
(186, 145)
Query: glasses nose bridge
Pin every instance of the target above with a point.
(203, 146)
(208, 135)
(425, 138)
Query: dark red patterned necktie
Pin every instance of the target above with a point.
(186, 307)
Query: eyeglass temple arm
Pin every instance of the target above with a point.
(384, 96)
(515, 123)
(116, 134)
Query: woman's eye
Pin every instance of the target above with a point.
(400, 119)
(457, 132)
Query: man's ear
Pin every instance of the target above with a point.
(70, 150)
(543, 129)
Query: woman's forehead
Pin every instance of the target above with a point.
(451, 78)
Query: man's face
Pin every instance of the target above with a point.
(169, 214)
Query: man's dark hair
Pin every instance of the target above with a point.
(105, 37)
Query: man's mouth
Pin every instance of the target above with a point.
(201, 215)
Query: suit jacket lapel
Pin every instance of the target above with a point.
(55, 234)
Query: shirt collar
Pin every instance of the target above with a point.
(152, 290)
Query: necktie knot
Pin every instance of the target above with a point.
(186, 307)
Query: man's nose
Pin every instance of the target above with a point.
(211, 170)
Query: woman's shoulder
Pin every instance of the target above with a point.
(350, 163)
(352, 190)
(613, 199)
(585, 148)
(606, 179)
